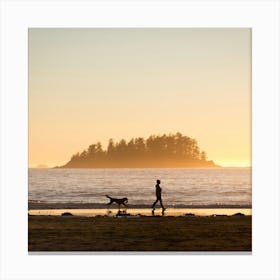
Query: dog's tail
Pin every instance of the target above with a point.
(108, 196)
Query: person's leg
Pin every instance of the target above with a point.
(155, 203)
(161, 204)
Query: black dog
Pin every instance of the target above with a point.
(118, 201)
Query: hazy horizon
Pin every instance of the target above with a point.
(90, 85)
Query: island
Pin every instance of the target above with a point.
(157, 151)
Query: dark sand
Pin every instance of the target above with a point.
(101, 233)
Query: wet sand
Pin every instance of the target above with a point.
(36, 205)
(139, 233)
(142, 211)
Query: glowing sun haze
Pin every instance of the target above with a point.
(89, 85)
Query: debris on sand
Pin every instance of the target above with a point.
(238, 214)
(189, 215)
(66, 214)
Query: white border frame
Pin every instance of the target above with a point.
(262, 16)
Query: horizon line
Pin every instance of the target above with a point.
(219, 166)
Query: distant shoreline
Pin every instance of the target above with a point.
(195, 167)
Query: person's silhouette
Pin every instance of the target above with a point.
(158, 195)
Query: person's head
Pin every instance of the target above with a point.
(158, 181)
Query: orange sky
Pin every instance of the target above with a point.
(89, 85)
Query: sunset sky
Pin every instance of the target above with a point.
(89, 85)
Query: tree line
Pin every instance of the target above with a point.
(172, 150)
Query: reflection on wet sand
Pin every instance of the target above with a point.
(145, 211)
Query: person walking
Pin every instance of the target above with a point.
(158, 195)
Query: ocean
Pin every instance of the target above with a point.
(181, 187)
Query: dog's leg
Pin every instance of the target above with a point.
(108, 206)
(111, 201)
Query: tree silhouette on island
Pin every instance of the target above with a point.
(172, 150)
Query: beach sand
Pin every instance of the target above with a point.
(139, 233)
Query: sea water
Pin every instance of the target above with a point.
(181, 187)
